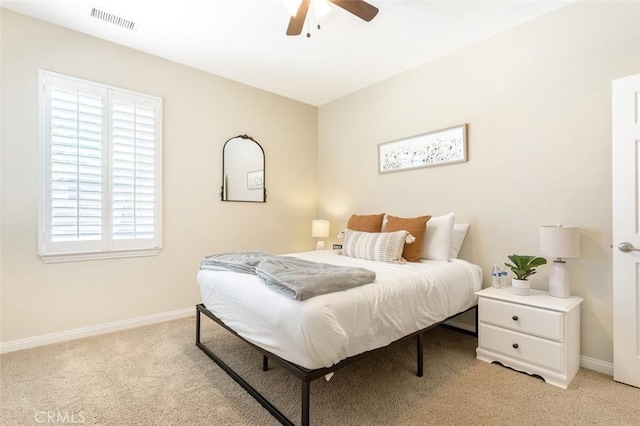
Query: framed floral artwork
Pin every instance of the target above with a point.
(255, 179)
(436, 148)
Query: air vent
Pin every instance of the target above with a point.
(113, 19)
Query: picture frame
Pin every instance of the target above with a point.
(255, 179)
(437, 148)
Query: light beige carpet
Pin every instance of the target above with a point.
(155, 375)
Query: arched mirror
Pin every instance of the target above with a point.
(243, 170)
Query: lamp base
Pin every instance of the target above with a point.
(559, 280)
(320, 245)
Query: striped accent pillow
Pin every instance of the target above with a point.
(380, 246)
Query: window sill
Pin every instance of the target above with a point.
(79, 257)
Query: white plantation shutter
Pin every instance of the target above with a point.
(101, 171)
(134, 169)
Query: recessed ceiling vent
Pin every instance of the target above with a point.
(113, 19)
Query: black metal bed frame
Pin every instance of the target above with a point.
(305, 375)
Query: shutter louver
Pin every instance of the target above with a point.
(133, 163)
(76, 166)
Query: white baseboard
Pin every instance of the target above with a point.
(32, 342)
(596, 365)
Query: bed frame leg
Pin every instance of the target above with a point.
(265, 363)
(197, 327)
(477, 309)
(420, 351)
(305, 402)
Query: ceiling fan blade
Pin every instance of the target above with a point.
(297, 22)
(360, 8)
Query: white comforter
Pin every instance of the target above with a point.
(323, 330)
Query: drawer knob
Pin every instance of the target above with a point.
(515, 346)
(515, 318)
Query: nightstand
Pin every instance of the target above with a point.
(537, 334)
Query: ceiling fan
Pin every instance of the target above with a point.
(360, 8)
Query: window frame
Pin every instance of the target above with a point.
(106, 247)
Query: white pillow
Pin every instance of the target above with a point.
(380, 246)
(437, 239)
(457, 238)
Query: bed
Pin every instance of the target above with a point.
(317, 336)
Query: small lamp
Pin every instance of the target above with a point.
(320, 229)
(559, 242)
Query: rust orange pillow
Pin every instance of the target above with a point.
(366, 223)
(416, 226)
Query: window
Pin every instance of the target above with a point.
(101, 171)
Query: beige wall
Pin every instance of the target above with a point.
(537, 100)
(201, 112)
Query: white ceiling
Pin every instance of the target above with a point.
(245, 41)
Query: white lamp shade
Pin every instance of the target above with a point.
(320, 7)
(291, 6)
(320, 228)
(560, 241)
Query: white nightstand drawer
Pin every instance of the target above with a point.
(526, 319)
(523, 347)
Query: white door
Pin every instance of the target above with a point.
(626, 230)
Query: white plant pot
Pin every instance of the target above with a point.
(520, 287)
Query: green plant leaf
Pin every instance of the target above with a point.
(524, 266)
(538, 261)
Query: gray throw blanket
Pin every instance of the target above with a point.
(243, 262)
(295, 278)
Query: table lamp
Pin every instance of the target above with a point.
(559, 242)
(320, 229)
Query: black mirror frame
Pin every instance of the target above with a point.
(264, 178)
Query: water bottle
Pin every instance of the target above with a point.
(495, 276)
(503, 277)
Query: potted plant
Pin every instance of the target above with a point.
(523, 267)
